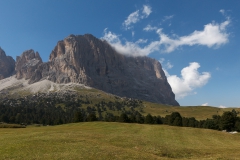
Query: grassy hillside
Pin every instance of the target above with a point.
(95, 96)
(102, 140)
(199, 112)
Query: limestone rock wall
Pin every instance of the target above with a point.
(7, 65)
(27, 63)
(93, 62)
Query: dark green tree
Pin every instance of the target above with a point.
(4, 118)
(91, 117)
(78, 117)
(227, 121)
(139, 118)
(149, 119)
(216, 120)
(132, 118)
(124, 118)
(209, 124)
(157, 120)
(175, 119)
(185, 122)
(237, 126)
(191, 122)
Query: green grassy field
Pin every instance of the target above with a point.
(199, 112)
(103, 140)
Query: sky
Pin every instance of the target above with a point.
(197, 42)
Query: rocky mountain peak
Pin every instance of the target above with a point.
(28, 56)
(2, 53)
(27, 63)
(93, 62)
(7, 65)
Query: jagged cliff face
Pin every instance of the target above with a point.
(93, 62)
(27, 63)
(7, 65)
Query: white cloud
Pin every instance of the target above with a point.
(137, 16)
(133, 33)
(149, 28)
(205, 104)
(162, 60)
(212, 35)
(222, 11)
(129, 48)
(166, 65)
(190, 79)
(132, 18)
(147, 10)
(167, 18)
(141, 41)
(221, 106)
(169, 65)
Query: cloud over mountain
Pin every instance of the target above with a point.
(190, 79)
(212, 35)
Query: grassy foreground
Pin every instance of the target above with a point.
(102, 140)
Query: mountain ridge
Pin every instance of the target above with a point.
(87, 60)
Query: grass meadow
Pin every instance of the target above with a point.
(104, 140)
(198, 112)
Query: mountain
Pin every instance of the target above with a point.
(27, 63)
(86, 60)
(7, 65)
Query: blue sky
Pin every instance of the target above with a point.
(197, 42)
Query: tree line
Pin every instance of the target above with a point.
(48, 111)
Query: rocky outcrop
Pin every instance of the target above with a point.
(7, 65)
(93, 62)
(27, 63)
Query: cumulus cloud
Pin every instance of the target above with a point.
(205, 104)
(213, 35)
(190, 79)
(137, 16)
